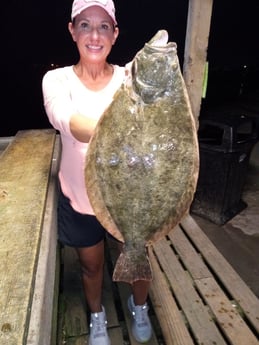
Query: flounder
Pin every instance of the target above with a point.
(142, 161)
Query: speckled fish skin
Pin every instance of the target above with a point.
(142, 161)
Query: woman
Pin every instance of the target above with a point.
(74, 98)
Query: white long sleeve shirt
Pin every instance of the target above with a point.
(64, 95)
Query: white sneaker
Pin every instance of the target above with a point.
(98, 329)
(141, 326)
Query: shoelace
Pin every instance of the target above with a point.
(98, 327)
(140, 315)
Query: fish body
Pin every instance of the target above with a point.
(142, 161)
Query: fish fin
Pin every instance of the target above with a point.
(128, 269)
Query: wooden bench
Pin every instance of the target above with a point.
(28, 246)
(196, 297)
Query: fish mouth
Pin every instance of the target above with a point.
(159, 43)
(152, 68)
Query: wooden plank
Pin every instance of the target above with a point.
(24, 176)
(229, 320)
(196, 313)
(191, 259)
(75, 320)
(232, 282)
(169, 316)
(114, 326)
(116, 335)
(233, 326)
(80, 340)
(43, 318)
(195, 54)
(108, 300)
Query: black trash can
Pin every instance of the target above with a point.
(225, 146)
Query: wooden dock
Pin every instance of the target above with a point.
(204, 299)
(196, 297)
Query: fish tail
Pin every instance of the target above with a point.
(129, 268)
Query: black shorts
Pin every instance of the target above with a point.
(76, 229)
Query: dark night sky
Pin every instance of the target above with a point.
(34, 35)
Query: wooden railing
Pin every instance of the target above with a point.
(28, 245)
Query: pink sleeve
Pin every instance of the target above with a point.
(57, 100)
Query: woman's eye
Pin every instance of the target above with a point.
(102, 28)
(105, 26)
(85, 25)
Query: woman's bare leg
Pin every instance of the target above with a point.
(92, 261)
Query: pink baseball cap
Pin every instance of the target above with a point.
(80, 5)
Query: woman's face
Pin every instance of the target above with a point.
(94, 33)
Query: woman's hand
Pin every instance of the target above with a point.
(81, 127)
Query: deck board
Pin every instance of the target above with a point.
(24, 174)
(75, 322)
(224, 272)
(218, 307)
(187, 296)
(229, 320)
(221, 306)
(43, 318)
(173, 326)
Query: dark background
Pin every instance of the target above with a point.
(35, 39)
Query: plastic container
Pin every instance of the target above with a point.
(225, 146)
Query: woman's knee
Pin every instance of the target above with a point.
(91, 269)
(91, 260)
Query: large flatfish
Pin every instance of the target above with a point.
(142, 161)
